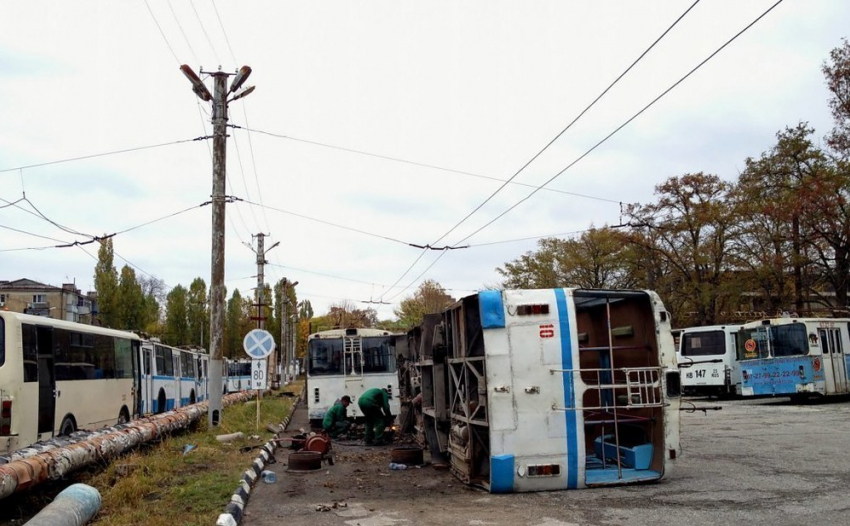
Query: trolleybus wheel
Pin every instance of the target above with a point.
(123, 416)
(68, 426)
(160, 402)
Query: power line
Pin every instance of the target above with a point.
(620, 127)
(204, 29)
(414, 163)
(104, 154)
(162, 33)
(185, 38)
(224, 32)
(600, 142)
(30, 234)
(570, 125)
(322, 221)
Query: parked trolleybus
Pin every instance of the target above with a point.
(238, 376)
(795, 357)
(531, 390)
(171, 377)
(708, 360)
(58, 376)
(349, 362)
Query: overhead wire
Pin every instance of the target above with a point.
(623, 125)
(185, 38)
(414, 163)
(538, 154)
(665, 92)
(167, 43)
(570, 125)
(103, 154)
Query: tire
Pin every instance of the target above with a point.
(160, 402)
(68, 426)
(305, 461)
(412, 456)
(123, 416)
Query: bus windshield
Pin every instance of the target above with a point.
(773, 341)
(709, 343)
(325, 356)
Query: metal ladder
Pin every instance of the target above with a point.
(353, 355)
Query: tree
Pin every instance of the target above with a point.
(305, 310)
(233, 325)
(599, 258)
(197, 313)
(153, 290)
(345, 315)
(131, 308)
(429, 297)
(176, 317)
(691, 224)
(106, 285)
(837, 73)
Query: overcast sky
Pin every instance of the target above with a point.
(396, 118)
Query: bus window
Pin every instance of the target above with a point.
(709, 343)
(123, 358)
(325, 357)
(164, 365)
(2, 342)
(186, 365)
(30, 353)
(789, 340)
(378, 355)
(103, 356)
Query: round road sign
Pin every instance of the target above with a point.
(750, 345)
(258, 344)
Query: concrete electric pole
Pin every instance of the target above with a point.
(219, 198)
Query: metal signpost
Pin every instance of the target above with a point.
(258, 344)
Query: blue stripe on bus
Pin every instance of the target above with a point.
(569, 391)
(491, 309)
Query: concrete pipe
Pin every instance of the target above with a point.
(76, 505)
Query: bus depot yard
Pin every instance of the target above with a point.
(762, 461)
(759, 461)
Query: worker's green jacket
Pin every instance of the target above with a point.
(335, 414)
(375, 399)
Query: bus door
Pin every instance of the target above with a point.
(835, 372)
(46, 380)
(147, 382)
(178, 382)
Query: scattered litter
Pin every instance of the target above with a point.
(187, 448)
(230, 437)
(269, 477)
(254, 437)
(334, 506)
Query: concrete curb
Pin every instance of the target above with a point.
(236, 507)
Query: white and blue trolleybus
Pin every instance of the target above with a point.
(534, 390)
(797, 357)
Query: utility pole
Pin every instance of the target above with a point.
(219, 199)
(260, 291)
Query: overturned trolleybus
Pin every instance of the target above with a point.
(708, 360)
(797, 357)
(349, 362)
(530, 390)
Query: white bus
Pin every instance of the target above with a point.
(538, 390)
(708, 360)
(796, 357)
(349, 362)
(237, 375)
(171, 377)
(58, 376)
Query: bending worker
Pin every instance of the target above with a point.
(376, 407)
(335, 422)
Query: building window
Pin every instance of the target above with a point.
(2, 299)
(39, 298)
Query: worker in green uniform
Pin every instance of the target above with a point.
(335, 422)
(376, 410)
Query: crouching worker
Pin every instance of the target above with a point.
(376, 410)
(335, 422)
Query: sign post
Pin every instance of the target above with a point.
(258, 344)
